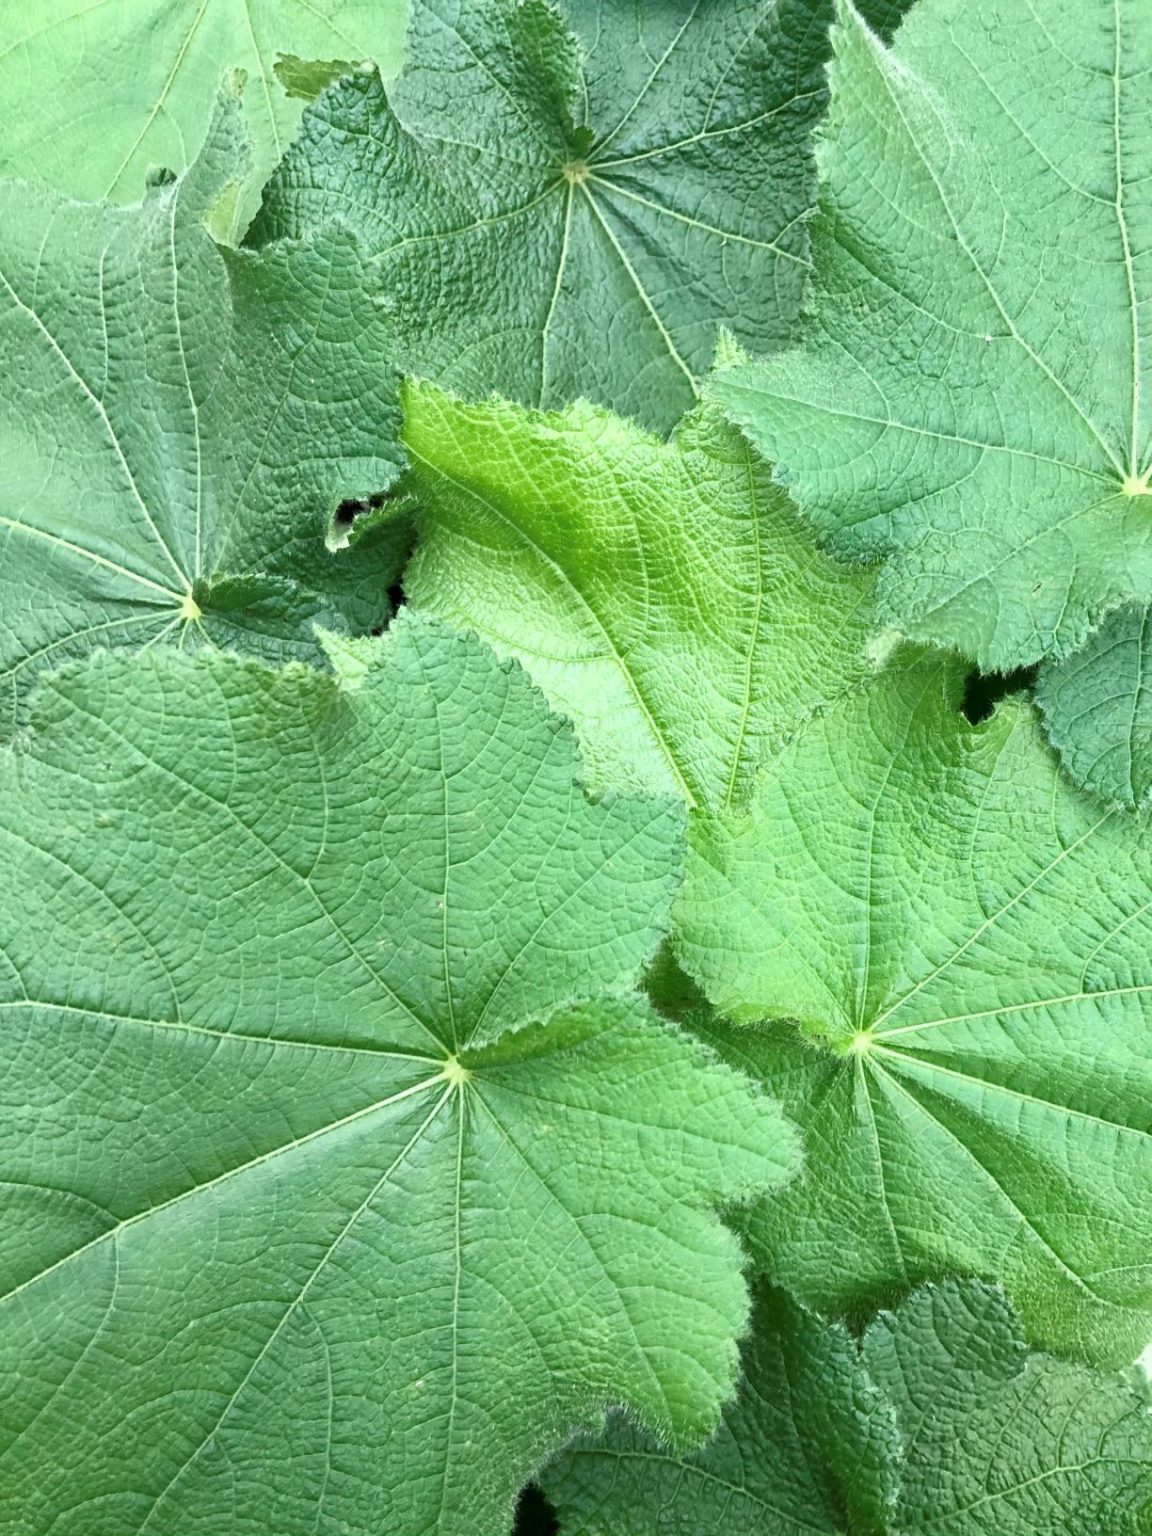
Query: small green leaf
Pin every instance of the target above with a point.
(942, 1422)
(614, 192)
(1098, 709)
(179, 425)
(964, 940)
(95, 95)
(971, 404)
(346, 1170)
(665, 596)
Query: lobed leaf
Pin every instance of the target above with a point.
(180, 423)
(963, 940)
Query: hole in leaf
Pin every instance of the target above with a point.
(984, 690)
(534, 1515)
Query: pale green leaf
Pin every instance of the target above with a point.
(1098, 709)
(179, 423)
(664, 596)
(964, 940)
(943, 1422)
(612, 193)
(95, 94)
(971, 403)
(346, 1173)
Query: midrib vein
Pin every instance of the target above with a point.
(566, 581)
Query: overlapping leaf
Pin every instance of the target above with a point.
(344, 1173)
(665, 596)
(178, 424)
(942, 1422)
(612, 194)
(972, 401)
(964, 940)
(97, 94)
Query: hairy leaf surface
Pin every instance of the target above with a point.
(972, 401)
(1098, 708)
(964, 940)
(941, 1422)
(616, 191)
(346, 1170)
(178, 425)
(95, 94)
(665, 596)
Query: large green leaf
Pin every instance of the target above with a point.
(943, 1422)
(609, 196)
(345, 1171)
(178, 424)
(964, 940)
(971, 402)
(96, 93)
(665, 596)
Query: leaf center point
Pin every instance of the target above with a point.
(575, 172)
(189, 607)
(455, 1074)
(1137, 485)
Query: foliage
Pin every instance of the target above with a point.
(519, 959)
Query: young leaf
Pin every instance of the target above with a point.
(943, 1422)
(971, 402)
(180, 421)
(964, 940)
(96, 96)
(1098, 711)
(616, 191)
(665, 596)
(345, 1173)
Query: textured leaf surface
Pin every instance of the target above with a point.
(178, 425)
(964, 940)
(944, 1413)
(972, 403)
(97, 93)
(331, 1206)
(611, 197)
(665, 596)
(1098, 709)
(809, 1448)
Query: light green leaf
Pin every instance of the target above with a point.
(964, 940)
(1098, 711)
(809, 1448)
(346, 1172)
(180, 422)
(95, 94)
(971, 404)
(943, 1410)
(611, 196)
(664, 596)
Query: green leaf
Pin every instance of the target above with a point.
(95, 95)
(1000, 1442)
(1098, 711)
(809, 1448)
(664, 596)
(179, 424)
(346, 1170)
(964, 940)
(971, 403)
(942, 1422)
(613, 194)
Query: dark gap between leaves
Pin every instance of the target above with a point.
(984, 690)
(534, 1515)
